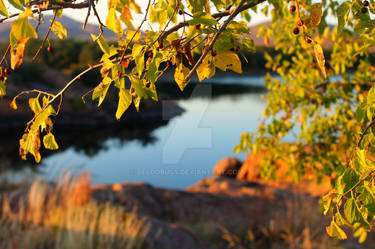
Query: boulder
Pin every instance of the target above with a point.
(227, 167)
(249, 171)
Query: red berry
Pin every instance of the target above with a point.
(364, 10)
(366, 3)
(169, 64)
(300, 22)
(7, 71)
(13, 105)
(236, 48)
(148, 84)
(197, 27)
(180, 12)
(292, 8)
(296, 30)
(308, 40)
(49, 49)
(160, 45)
(150, 54)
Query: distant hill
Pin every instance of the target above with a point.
(73, 27)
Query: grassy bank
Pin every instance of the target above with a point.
(65, 217)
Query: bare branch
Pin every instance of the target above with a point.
(46, 37)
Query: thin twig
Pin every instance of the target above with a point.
(32, 91)
(365, 131)
(87, 16)
(139, 27)
(5, 54)
(46, 36)
(101, 25)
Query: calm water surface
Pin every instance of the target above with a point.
(183, 151)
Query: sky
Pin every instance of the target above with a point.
(80, 15)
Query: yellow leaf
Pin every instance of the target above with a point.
(113, 23)
(30, 143)
(334, 230)
(125, 99)
(3, 9)
(101, 90)
(134, 6)
(180, 74)
(59, 29)
(50, 142)
(206, 69)
(319, 56)
(228, 60)
(316, 14)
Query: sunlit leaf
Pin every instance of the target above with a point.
(316, 14)
(342, 14)
(334, 230)
(49, 142)
(206, 69)
(3, 9)
(228, 60)
(320, 59)
(113, 23)
(59, 30)
(180, 74)
(125, 99)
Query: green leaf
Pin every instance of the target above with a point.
(125, 99)
(319, 56)
(102, 43)
(342, 14)
(3, 9)
(2, 88)
(59, 30)
(203, 18)
(360, 112)
(17, 4)
(351, 211)
(141, 90)
(21, 28)
(334, 230)
(50, 142)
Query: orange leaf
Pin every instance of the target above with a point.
(16, 55)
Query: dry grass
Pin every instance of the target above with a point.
(302, 227)
(65, 217)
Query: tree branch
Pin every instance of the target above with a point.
(211, 44)
(64, 5)
(216, 16)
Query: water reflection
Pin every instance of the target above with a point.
(142, 151)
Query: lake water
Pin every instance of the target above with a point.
(181, 152)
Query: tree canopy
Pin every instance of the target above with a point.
(321, 92)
